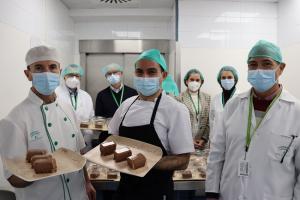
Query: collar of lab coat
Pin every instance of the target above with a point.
(285, 96)
(36, 100)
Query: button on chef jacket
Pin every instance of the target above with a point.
(26, 128)
(172, 122)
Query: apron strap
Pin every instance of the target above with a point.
(128, 109)
(155, 109)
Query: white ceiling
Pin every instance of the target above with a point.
(97, 4)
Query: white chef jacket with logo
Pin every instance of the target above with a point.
(31, 125)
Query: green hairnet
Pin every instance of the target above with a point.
(170, 86)
(265, 49)
(155, 56)
(72, 69)
(111, 67)
(228, 68)
(193, 71)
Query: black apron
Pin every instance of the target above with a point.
(157, 184)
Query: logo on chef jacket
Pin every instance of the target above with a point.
(35, 135)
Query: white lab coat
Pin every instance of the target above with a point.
(216, 109)
(26, 128)
(84, 111)
(269, 179)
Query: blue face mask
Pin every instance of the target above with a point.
(46, 82)
(227, 84)
(146, 86)
(262, 80)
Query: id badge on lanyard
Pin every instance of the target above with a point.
(244, 168)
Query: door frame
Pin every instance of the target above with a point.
(130, 46)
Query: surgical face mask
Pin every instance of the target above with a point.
(227, 84)
(262, 80)
(113, 79)
(46, 82)
(194, 86)
(72, 82)
(146, 86)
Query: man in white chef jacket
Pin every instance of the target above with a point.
(42, 122)
(255, 150)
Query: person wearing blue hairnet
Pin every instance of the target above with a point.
(43, 121)
(227, 78)
(158, 119)
(255, 149)
(69, 91)
(170, 86)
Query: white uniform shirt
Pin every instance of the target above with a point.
(269, 179)
(172, 122)
(26, 128)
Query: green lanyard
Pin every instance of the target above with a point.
(223, 101)
(197, 110)
(249, 136)
(115, 99)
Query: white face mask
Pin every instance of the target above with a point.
(194, 86)
(72, 82)
(113, 79)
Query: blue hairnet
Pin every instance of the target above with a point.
(155, 56)
(228, 68)
(170, 86)
(72, 69)
(110, 67)
(193, 71)
(267, 49)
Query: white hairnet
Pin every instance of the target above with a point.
(41, 53)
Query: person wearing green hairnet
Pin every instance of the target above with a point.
(255, 149)
(158, 119)
(170, 87)
(227, 78)
(198, 104)
(69, 91)
(109, 99)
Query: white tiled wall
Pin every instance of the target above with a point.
(217, 33)
(226, 24)
(30, 23)
(289, 41)
(288, 22)
(116, 29)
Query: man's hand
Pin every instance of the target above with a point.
(90, 190)
(199, 144)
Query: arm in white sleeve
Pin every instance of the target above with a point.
(180, 131)
(113, 126)
(216, 158)
(13, 143)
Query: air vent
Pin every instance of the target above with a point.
(115, 1)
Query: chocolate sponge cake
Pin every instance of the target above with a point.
(107, 148)
(122, 154)
(33, 152)
(136, 161)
